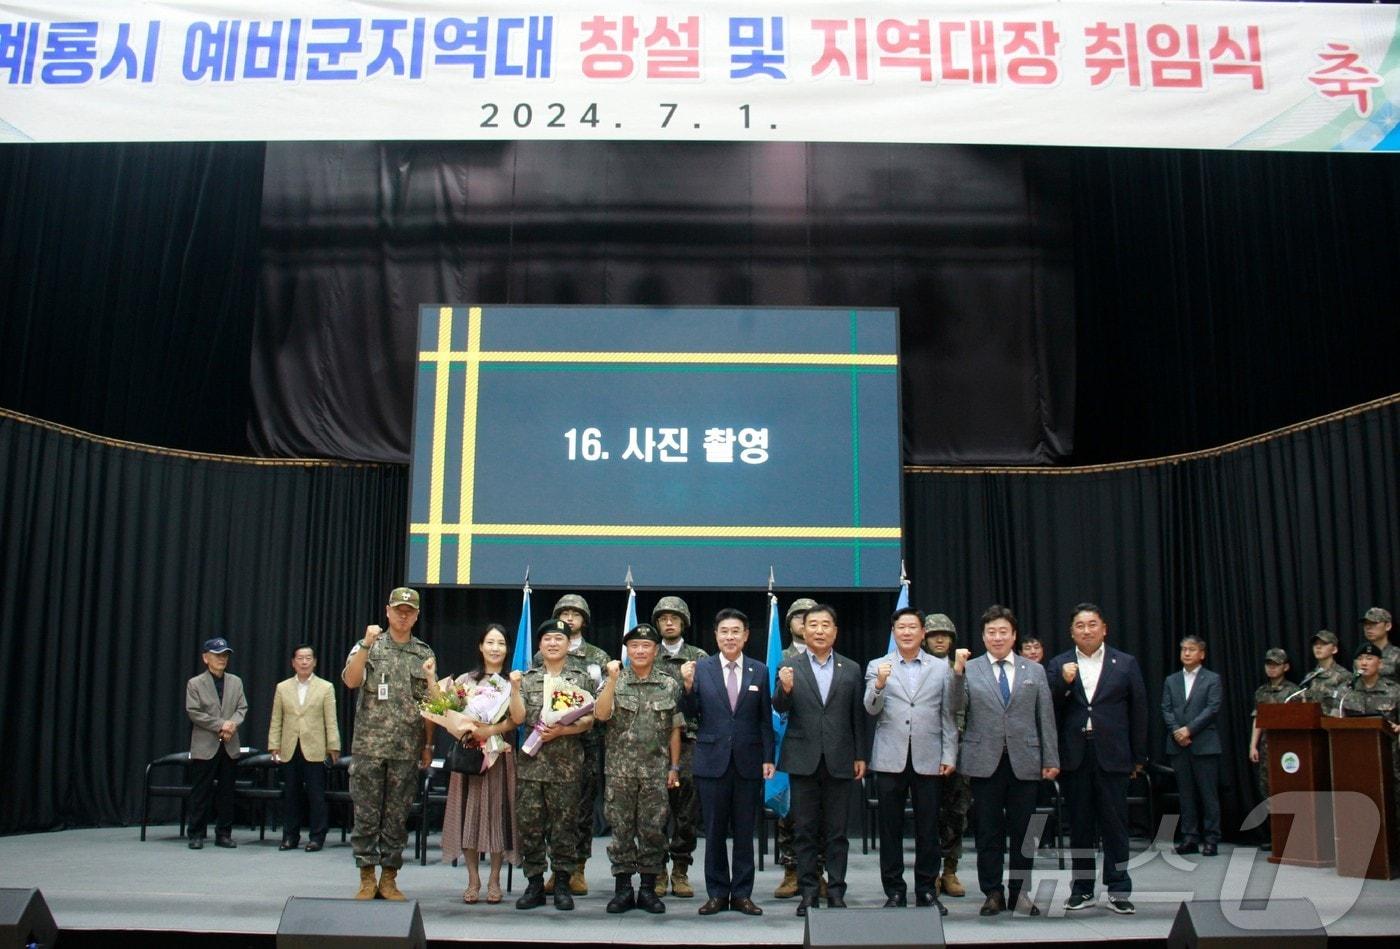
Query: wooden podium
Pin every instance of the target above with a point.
(1298, 761)
(1361, 763)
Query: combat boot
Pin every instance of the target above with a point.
(788, 888)
(680, 881)
(388, 885)
(661, 881)
(623, 898)
(563, 897)
(646, 896)
(369, 886)
(949, 881)
(533, 896)
(578, 886)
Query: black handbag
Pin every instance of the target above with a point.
(466, 759)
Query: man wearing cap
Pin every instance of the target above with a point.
(643, 762)
(216, 706)
(572, 610)
(392, 740)
(1328, 677)
(1375, 625)
(786, 848)
(671, 617)
(1191, 701)
(547, 783)
(1276, 689)
(1374, 694)
(940, 636)
(303, 730)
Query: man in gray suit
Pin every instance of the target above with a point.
(912, 697)
(1190, 704)
(1009, 746)
(822, 752)
(216, 706)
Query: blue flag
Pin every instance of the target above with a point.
(775, 789)
(900, 604)
(520, 661)
(629, 618)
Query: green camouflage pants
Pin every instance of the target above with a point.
(787, 846)
(587, 791)
(1261, 770)
(547, 814)
(685, 811)
(952, 815)
(637, 809)
(382, 790)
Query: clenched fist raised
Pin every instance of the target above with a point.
(785, 678)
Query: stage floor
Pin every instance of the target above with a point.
(106, 880)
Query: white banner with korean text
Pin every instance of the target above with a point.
(1210, 74)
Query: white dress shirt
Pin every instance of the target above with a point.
(303, 686)
(1010, 668)
(1189, 676)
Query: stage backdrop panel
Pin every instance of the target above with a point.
(696, 447)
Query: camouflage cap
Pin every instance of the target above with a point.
(641, 631)
(1376, 614)
(1326, 636)
(572, 601)
(552, 626)
(800, 605)
(403, 595)
(671, 604)
(1368, 649)
(1276, 655)
(940, 623)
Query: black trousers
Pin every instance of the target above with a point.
(820, 805)
(1198, 781)
(923, 789)
(298, 774)
(729, 802)
(211, 794)
(1004, 806)
(1098, 808)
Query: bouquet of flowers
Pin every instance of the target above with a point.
(461, 704)
(564, 705)
(487, 702)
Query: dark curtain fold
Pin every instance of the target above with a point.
(116, 563)
(127, 275)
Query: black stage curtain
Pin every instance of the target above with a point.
(116, 563)
(127, 276)
(972, 245)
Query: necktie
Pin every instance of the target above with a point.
(733, 685)
(1002, 683)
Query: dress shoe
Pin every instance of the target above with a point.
(896, 899)
(1209, 850)
(930, 899)
(315, 845)
(1023, 906)
(1187, 846)
(196, 843)
(742, 904)
(803, 904)
(992, 905)
(226, 842)
(288, 844)
(835, 902)
(713, 905)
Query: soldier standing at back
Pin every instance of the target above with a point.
(588, 659)
(940, 636)
(1275, 690)
(1375, 625)
(787, 842)
(1374, 694)
(671, 617)
(642, 765)
(392, 741)
(1329, 676)
(547, 783)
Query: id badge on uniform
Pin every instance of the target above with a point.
(383, 688)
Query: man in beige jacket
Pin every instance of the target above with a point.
(302, 732)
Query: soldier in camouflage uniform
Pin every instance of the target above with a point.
(1329, 676)
(392, 741)
(547, 783)
(787, 842)
(642, 766)
(671, 617)
(1375, 694)
(1376, 627)
(1274, 691)
(940, 638)
(587, 658)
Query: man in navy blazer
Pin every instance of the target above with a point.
(728, 694)
(1101, 709)
(1190, 704)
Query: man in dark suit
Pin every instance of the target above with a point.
(821, 692)
(1101, 709)
(1190, 704)
(1008, 747)
(728, 695)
